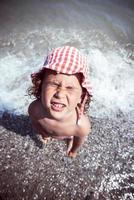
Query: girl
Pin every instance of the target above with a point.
(63, 93)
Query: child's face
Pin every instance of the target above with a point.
(60, 94)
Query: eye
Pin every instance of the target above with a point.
(53, 84)
(69, 87)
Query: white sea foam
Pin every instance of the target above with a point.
(112, 82)
(13, 84)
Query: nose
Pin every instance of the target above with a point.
(60, 92)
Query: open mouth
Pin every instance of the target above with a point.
(57, 106)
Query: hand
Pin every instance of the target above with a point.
(45, 140)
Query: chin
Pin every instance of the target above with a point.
(57, 115)
(58, 118)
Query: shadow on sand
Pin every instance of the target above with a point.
(20, 124)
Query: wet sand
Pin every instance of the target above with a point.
(31, 170)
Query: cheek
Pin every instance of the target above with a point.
(46, 95)
(75, 99)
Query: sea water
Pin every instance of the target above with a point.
(103, 30)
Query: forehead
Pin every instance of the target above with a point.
(52, 75)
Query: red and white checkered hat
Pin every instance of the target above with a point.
(69, 60)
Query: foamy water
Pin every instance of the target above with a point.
(111, 64)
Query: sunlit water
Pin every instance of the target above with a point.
(102, 32)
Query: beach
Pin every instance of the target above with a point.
(30, 169)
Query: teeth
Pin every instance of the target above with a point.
(58, 105)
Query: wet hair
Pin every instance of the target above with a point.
(37, 80)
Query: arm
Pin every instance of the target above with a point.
(56, 128)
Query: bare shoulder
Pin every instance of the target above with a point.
(34, 108)
(85, 125)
